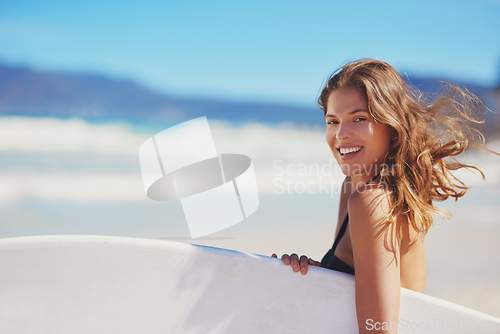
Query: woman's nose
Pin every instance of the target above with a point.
(343, 131)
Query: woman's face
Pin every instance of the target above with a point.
(358, 143)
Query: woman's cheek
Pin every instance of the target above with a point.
(330, 139)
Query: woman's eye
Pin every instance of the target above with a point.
(359, 119)
(332, 122)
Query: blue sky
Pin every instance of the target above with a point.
(279, 51)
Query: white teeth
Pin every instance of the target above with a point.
(349, 149)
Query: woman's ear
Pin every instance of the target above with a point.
(394, 135)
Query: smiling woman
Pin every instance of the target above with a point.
(394, 149)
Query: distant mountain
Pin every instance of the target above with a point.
(96, 97)
(34, 93)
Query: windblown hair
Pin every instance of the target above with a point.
(430, 133)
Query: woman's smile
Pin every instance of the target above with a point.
(349, 152)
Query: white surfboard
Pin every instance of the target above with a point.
(95, 284)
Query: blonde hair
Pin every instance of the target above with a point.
(430, 133)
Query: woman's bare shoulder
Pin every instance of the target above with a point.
(369, 211)
(369, 224)
(372, 200)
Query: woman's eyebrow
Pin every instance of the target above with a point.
(350, 113)
(358, 110)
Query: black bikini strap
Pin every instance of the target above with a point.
(341, 232)
(373, 178)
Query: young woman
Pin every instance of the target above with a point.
(396, 150)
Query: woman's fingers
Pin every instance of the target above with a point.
(294, 262)
(314, 263)
(286, 259)
(304, 264)
(298, 264)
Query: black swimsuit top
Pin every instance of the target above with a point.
(330, 261)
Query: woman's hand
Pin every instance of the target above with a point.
(297, 264)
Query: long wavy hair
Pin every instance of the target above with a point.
(430, 133)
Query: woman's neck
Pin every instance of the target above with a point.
(363, 179)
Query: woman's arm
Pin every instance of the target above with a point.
(376, 260)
